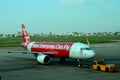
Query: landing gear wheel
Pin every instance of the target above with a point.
(79, 65)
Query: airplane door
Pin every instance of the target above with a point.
(75, 51)
(30, 46)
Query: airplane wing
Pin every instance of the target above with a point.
(27, 52)
(42, 57)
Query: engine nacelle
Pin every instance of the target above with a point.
(43, 59)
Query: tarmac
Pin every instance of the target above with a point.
(17, 66)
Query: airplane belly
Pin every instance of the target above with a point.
(56, 52)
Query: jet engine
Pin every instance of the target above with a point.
(43, 59)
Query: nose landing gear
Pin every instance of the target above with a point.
(79, 63)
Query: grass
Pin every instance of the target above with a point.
(12, 42)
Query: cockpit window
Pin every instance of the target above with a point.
(88, 48)
(85, 48)
(82, 49)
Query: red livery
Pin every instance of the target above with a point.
(61, 49)
(46, 50)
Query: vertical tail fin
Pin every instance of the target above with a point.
(25, 35)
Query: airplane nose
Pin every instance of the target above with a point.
(91, 53)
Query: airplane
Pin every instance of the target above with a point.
(44, 51)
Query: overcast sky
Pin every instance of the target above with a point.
(44, 16)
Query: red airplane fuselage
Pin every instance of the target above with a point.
(61, 49)
(44, 50)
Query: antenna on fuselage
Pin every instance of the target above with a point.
(87, 41)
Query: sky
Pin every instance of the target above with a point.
(45, 16)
